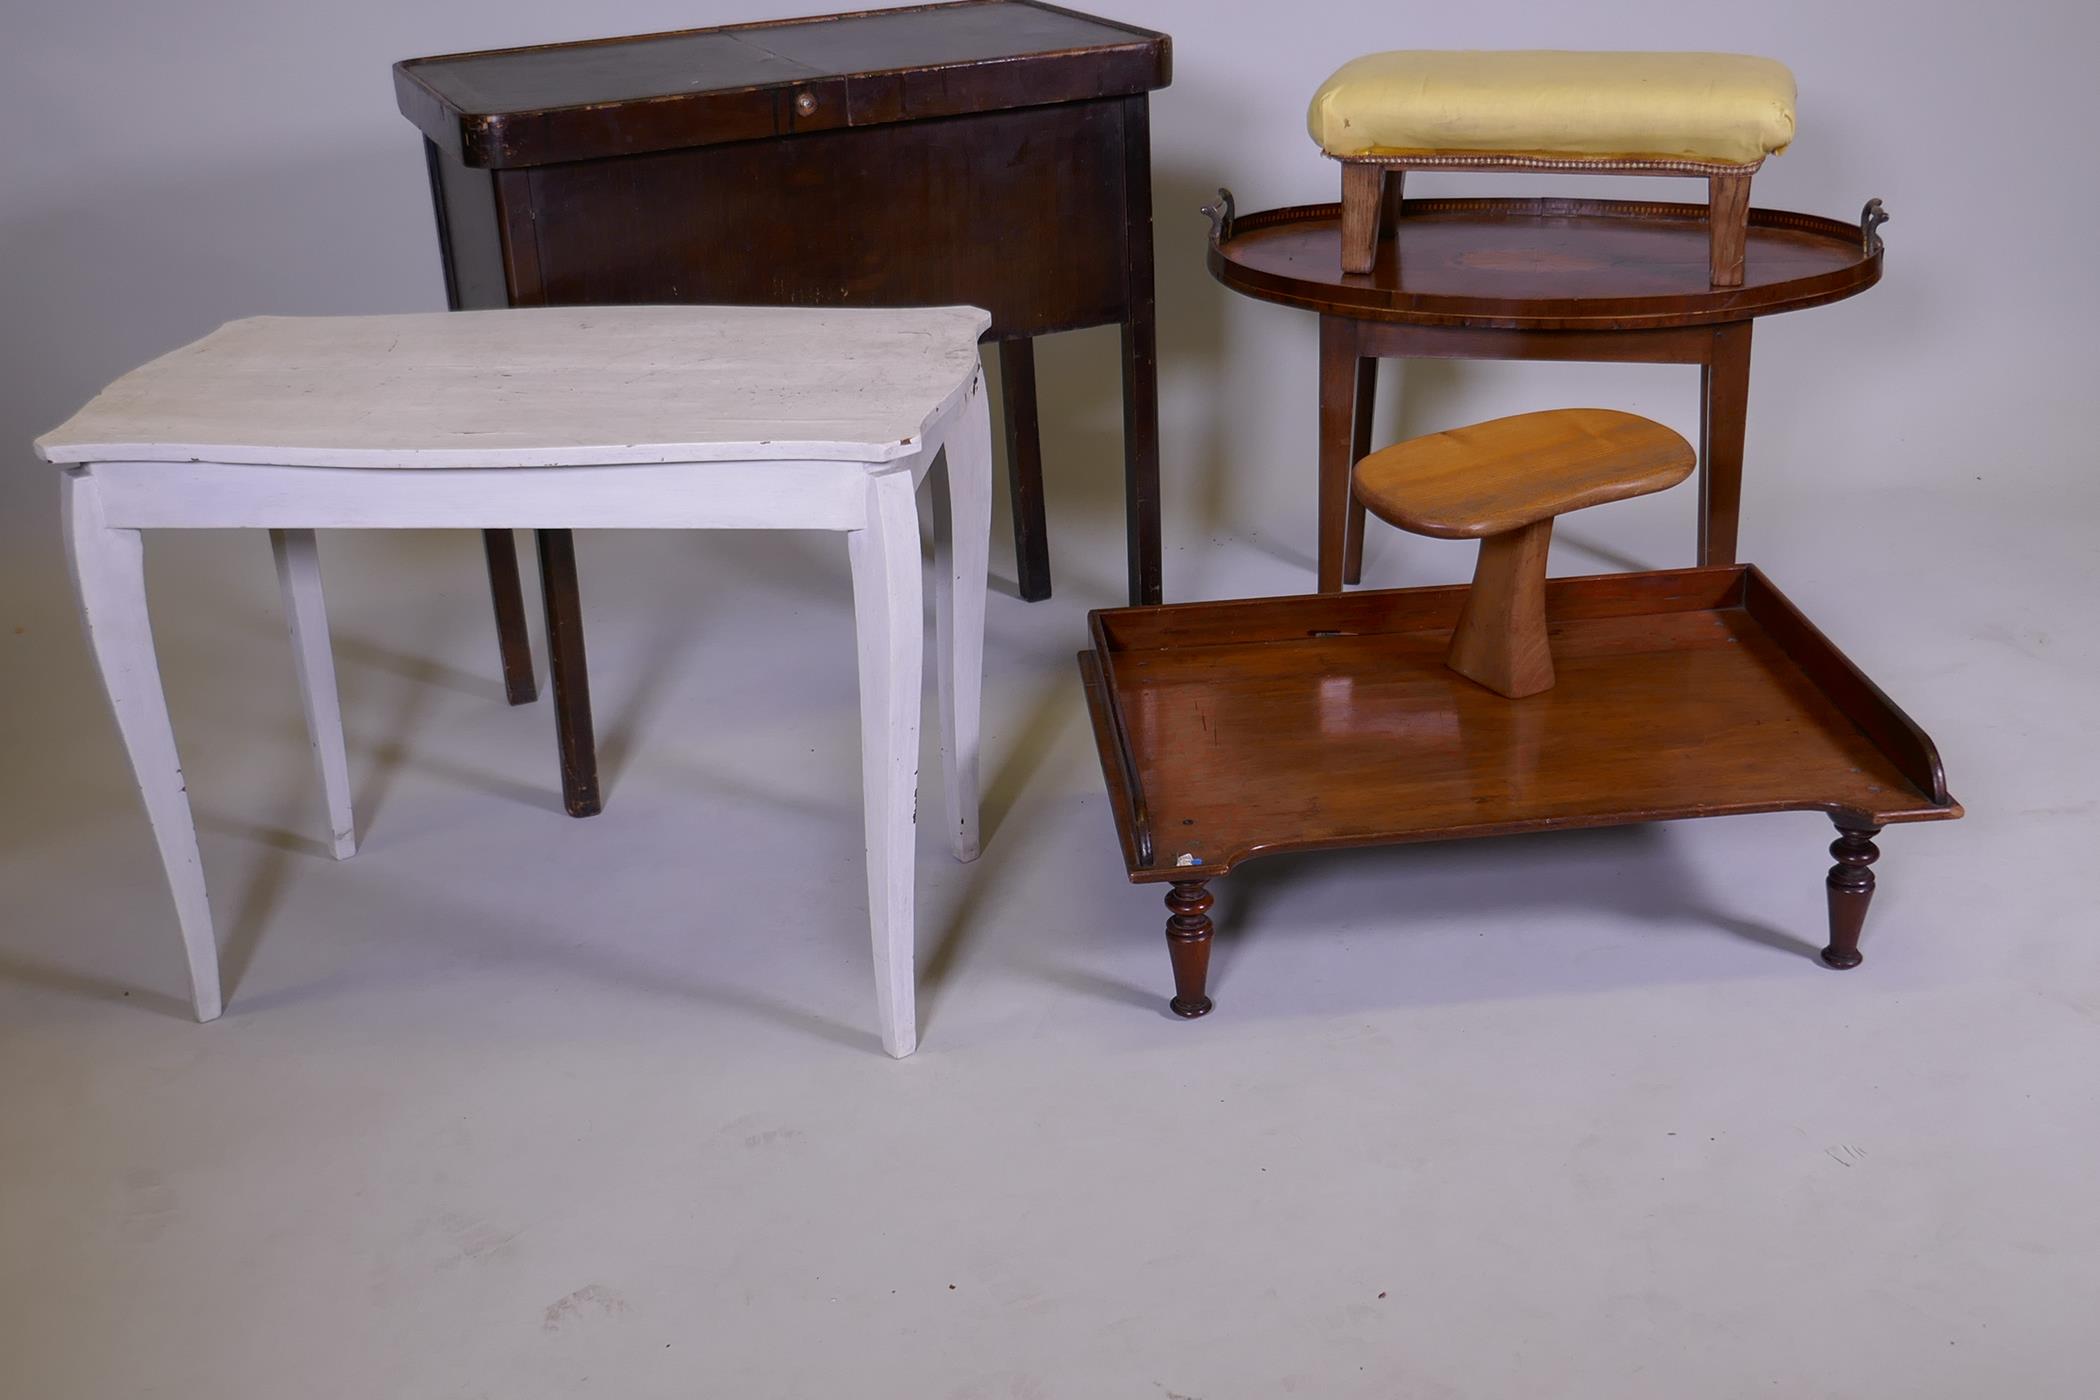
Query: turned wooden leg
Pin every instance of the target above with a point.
(1188, 944)
(1359, 448)
(1500, 640)
(508, 596)
(1728, 226)
(1363, 201)
(1850, 886)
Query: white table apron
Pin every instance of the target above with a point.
(107, 504)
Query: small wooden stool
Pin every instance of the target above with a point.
(1710, 115)
(1502, 482)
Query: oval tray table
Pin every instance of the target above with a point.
(1537, 279)
(1237, 729)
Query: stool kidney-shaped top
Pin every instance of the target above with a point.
(1493, 477)
(627, 417)
(1502, 482)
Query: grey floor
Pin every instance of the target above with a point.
(514, 1105)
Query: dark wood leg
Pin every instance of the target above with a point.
(1188, 944)
(508, 594)
(1140, 363)
(1338, 374)
(1024, 468)
(1359, 448)
(570, 674)
(1724, 403)
(1850, 886)
(1141, 459)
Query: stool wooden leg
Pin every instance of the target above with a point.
(1188, 944)
(1363, 202)
(962, 525)
(889, 629)
(1024, 469)
(110, 575)
(306, 614)
(570, 673)
(1728, 226)
(1359, 448)
(1850, 886)
(500, 547)
(1500, 640)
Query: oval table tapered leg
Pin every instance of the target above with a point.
(1359, 448)
(1188, 944)
(1338, 369)
(1851, 888)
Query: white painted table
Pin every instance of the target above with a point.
(654, 417)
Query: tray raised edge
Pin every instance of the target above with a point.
(1360, 297)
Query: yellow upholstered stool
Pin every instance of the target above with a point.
(1502, 482)
(1699, 114)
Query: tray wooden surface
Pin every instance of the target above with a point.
(1544, 264)
(1234, 729)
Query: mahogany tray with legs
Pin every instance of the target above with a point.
(1235, 729)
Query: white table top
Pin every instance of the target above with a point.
(555, 386)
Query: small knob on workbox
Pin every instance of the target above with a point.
(805, 102)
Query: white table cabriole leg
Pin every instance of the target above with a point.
(110, 575)
(306, 614)
(962, 528)
(889, 624)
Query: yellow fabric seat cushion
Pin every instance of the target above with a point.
(1712, 108)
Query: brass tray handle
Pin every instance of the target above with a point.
(1871, 219)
